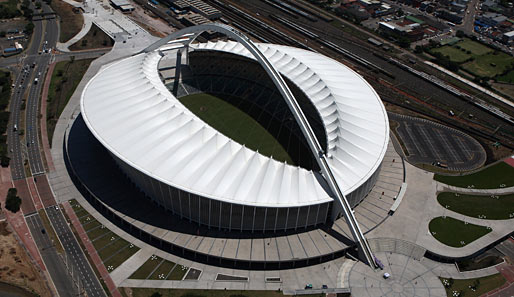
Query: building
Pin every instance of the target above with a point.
(193, 19)
(491, 19)
(122, 5)
(410, 30)
(449, 16)
(189, 168)
(197, 6)
(508, 37)
(18, 48)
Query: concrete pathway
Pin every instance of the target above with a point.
(95, 258)
(86, 26)
(447, 188)
(125, 270)
(420, 206)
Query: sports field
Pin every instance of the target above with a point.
(235, 124)
(485, 61)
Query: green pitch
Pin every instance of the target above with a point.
(235, 124)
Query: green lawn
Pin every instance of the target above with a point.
(507, 78)
(235, 124)
(455, 233)
(483, 285)
(495, 207)
(146, 269)
(455, 54)
(178, 272)
(144, 292)
(112, 249)
(489, 65)
(163, 270)
(65, 79)
(493, 177)
(476, 48)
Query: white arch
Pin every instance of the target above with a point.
(191, 33)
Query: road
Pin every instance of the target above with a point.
(91, 284)
(53, 262)
(33, 65)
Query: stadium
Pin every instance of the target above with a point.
(203, 131)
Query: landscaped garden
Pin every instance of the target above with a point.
(473, 287)
(491, 207)
(455, 233)
(493, 177)
(158, 268)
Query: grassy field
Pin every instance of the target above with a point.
(70, 22)
(492, 208)
(492, 177)
(112, 249)
(235, 124)
(507, 78)
(489, 65)
(453, 53)
(95, 38)
(474, 47)
(65, 79)
(455, 233)
(143, 292)
(483, 285)
(486, 61)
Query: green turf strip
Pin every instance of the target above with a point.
(112, 248)
(178, 272)
(117, 259)
(493, 177)
(162, 271)
(104, 240)
(97, 232)
(146, 269)
(91, 225)
(455, 233)
(235, 124)
(491, 207)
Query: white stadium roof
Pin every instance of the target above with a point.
(132, 113)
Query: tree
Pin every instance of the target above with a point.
(2, 33)
(13, 202)
(4, 161)
(156, 294)
(460, 34)
(418, 49)
(400, 12)
(29, 28)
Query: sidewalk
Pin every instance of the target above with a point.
(91, 250)
(507, 290)
(44, 130)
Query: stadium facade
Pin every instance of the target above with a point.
(189, 168)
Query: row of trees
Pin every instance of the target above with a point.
(5, 95)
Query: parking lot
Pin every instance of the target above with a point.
(427, 142)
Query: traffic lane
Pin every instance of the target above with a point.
(53, 262)
(68, 240)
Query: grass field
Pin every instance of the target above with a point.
(144, 292)
(65, 79)
(492, 208)
(476, 48)
(483, 285)
(235, 124)
(507, 78)
(455, 233)
(491, 177)
(453, 53)
(112, 249)
(489, 65)
(70, 22)
(95, 38)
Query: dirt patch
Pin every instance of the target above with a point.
(16, 267)
(70, 22)
(150, 22)
(95, 38)
(504, 88)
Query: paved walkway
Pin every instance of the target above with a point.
(43, 127)
(63, 47)
(503, 191)
(420, 206)
(507, 290)
(91, 250)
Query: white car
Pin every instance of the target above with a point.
(387, 275)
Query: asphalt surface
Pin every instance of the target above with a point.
(32, 64)
(82, 269)
(53, 262)
(428, 142)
